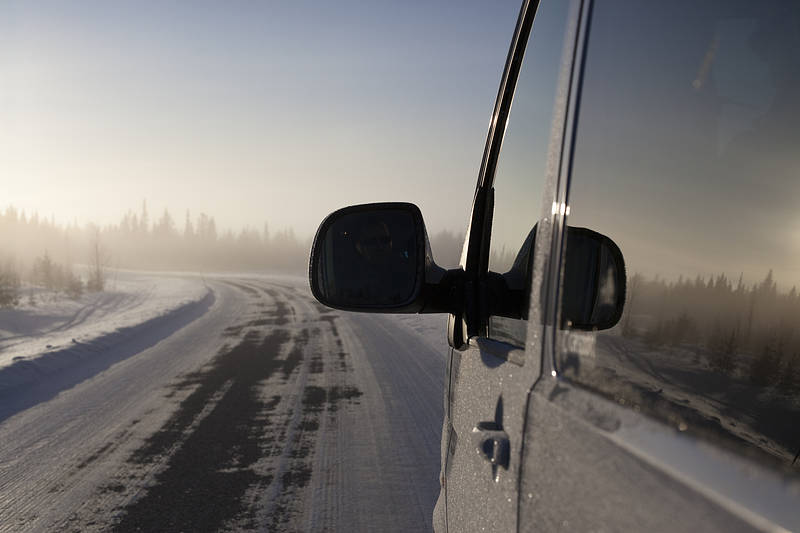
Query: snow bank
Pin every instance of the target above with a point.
(56, 333)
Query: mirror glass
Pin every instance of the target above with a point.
(594, 281)
(368, 258)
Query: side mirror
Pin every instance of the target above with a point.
(376, 258)
(593, 292)
(371, 257)
(594, 281)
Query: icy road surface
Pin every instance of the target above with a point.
(250, 408)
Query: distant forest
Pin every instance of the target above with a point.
(42, 252)
(143, 241)
(747, 330)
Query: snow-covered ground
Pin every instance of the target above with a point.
(680, 381)
(50, 321)
(50, 343)
(287, 415)
(49, 332)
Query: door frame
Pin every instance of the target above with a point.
(473, 325)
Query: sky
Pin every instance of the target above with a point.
(254, 112)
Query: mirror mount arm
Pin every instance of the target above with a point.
(446, 294)
(503, 300)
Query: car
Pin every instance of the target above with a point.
(623, 325)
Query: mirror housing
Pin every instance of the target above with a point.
(593, 289)
(377, 258)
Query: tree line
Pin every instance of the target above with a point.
(69, 258)
(65, 257)
(745, 330)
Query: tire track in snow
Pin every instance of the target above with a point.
(252, 452)
(203, 485)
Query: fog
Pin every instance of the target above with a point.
(160, 242)
(250, 112)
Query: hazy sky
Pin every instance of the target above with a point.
(686, 153)
(277, 111)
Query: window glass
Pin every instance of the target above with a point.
(521, 167)
(686, 156)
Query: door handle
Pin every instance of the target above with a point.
(492, 445)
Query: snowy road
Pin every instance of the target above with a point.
(266, 412)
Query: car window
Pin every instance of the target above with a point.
(686, 156)
(521, 168)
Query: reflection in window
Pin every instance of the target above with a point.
(521, 167)
(686, 157)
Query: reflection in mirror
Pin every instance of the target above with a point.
(594, 284)
(593, 294)
(367, 258)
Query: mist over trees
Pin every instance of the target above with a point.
(68, 259)
(142, 241)
(163, 241)
(748, 331)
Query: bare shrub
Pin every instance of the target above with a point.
(9, 285)
(723, 345)
(765, 367)
(73, 285)
(44, 271)
(790, 374)
(99, 260)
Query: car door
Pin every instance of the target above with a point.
(497, 358)
(682, 148)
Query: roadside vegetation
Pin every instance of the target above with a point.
(45, 279)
